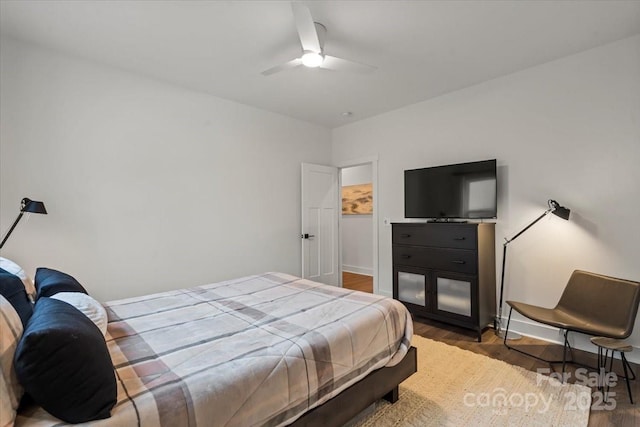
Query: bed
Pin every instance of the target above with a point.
(269, 349)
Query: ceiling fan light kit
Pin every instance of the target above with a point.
(312, 59)
(312, 36)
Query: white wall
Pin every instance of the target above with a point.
(357, 230)
(356, 175)
(151, 187)
(568, 130)
(148, 186)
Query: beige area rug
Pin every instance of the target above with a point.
(455, 387)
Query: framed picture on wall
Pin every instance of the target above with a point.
(357, 199)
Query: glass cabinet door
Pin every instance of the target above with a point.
(454, 294)
(411, 288)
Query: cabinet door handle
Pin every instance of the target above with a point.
(458, 261)
(405, 256)
(459, 238)
(405, 235)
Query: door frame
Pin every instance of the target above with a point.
(373, 160)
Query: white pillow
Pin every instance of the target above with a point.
(10, 389)
(13, 268)
(87, 305)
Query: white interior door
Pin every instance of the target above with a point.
(319, 235)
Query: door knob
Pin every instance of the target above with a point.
(307, 236)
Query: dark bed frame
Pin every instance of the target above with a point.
(379, 384)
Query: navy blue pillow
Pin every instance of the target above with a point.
(49, 282)
(63, 363)
(12, 289)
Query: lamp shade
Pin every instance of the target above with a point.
(33, 206)
(29, 206)
(559, 211)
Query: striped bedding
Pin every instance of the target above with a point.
(259, 350)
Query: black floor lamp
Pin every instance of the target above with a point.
(29, 206)
(554, 208)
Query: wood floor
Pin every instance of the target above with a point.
(624, 414)
(357, 282)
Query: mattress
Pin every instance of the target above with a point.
(258, 350)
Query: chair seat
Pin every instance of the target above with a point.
(569, 321)
(591, 304)
(612, 344)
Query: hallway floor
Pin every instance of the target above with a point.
(357, 282)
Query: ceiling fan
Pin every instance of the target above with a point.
(312, 36)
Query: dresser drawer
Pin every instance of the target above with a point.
(456, 236)
(454, 260)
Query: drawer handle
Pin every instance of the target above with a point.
(405, 256)
(459, 238)
(459, 262)
(405, 235)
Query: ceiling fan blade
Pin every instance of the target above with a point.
(306, 27)
(339, 64)
(286, 66)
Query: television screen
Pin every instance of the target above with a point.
(464, 190)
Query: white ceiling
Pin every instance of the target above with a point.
(422, 48)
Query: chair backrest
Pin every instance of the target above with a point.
(609, 304)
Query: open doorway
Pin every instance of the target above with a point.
(357, 227)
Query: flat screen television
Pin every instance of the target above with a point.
(460, 191)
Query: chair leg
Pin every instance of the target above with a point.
(626, 367)
(602, 369)
(629, 367)
(565, 347)
(564, 352)
(606, 356)
(626, 374)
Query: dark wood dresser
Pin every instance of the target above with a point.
(446, 272)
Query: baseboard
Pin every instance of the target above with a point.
(357, 270)
(555, 335)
